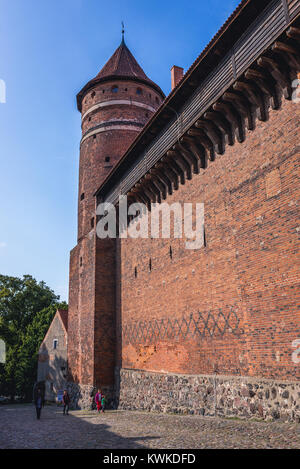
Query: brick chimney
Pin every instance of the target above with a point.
(176, 75)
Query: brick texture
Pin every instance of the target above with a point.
(231, 307)
(91, 337)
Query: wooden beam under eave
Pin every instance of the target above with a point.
(204, 140)
(188, 156)
(181, 162)
(213, 133)
(255, 96)
(242, 105)
(219, 120)
(198, 151)
(231, 114)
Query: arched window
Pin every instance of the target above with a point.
(115, 89)
(139, 91)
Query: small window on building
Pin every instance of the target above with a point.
(150, 265)
(93, 94)
(126, 89)
(139, 91)
(171, 253)
(204, 237)
(82, 196)
(107, 159)
(90, 119)
(92, 222)
(103, 91)
(135, 272)
(147, 115)
(156, 99)
(115, 89)
(55, 344)
(80, 262)
(94, 136)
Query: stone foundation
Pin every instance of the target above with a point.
(82, 395)
(211, 395)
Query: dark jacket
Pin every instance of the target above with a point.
(66, 399)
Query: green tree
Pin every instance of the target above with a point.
(27, 308)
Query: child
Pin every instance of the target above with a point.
(103, 403)
(98, 399)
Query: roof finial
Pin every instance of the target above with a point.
(123, 31)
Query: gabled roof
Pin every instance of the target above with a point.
(122, 65)
(62, 315)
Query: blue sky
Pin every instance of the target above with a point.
(49, 50)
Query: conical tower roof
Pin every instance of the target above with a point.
(123, 66)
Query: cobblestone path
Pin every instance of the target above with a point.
(19, 428)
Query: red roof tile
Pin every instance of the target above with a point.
(121, 65)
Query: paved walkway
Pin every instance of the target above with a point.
(19, 428)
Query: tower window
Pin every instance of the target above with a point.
(92, 222)
(125, 89)
(115, 89)
(93, 94)
(80, 262)
(90, 119)
(55, 344)
(135, 272)
(94, 136)
(139, 91)
(171, 253)
(107, 159)
(150, 265)
(103, 91)
(204, 237)
(82, 196)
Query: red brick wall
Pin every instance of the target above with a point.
(248, 270)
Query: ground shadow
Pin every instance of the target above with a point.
(79, 430)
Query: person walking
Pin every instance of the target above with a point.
(39, 403)
(98, 398)
(66, 402)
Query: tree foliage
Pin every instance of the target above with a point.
(27, 308)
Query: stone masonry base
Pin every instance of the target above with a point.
(211, 395)
(82, 395)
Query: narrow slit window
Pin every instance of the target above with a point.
(82, 196)
(171, 252)
(135, 272)
(150, 265)
(55, 344)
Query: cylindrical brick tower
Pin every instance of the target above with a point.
(115, 106)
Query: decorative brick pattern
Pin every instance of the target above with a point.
(196, 325)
